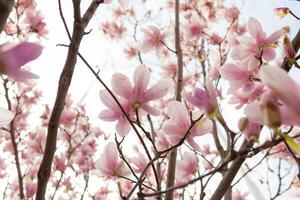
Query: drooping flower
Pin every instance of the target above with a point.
(5, 117)
(13, 59)
(109, 163)
(114, 113)
(139, 95)
(258, 45)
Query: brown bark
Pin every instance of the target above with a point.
(5, 8)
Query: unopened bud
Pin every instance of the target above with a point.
(281, 12)
(250, 129)
(271, 114)
(288, 48)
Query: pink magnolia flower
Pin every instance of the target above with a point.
(243, 84)
(13, 59)
(114, 113)
(5, 117)
(186, 167)
(36, 24)
(139, 162)
(109, 163)
(236, 74)
(179, 123)
(194, 28)
(139, 95)
(203, 99)
(251, 48)
(153, 39)
(113, 30)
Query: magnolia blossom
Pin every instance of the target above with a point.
(179, 123)
(109, 163)
(36, 24)
(258, 45)
(153, 39)
(139, 95)
(13, 59)
(186, 167)
(5, 117)
(243, 83)
(114, 113)
(194, 28)
(203, 99)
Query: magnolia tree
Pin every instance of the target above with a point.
(170, 137)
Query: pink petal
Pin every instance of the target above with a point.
(232, 72)
(141, 80)
(253, 112)
(240, 52)
(151, 110)
(123, 127)
(274, 37)
(108, 101)
(158, 91)
(108, 115)
(269, 54)
(254, 28)
(108, 161)
(283, 86)
(122, 86)
(193, 144)
(253, 64)
(172, 129)
(20, 55)
(178, 113)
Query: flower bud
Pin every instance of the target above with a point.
(281, 12)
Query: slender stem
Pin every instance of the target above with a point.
(14, 143)
(173, 154)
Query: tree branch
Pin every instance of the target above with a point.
(173, 154)
(63, 87)
(5, 8)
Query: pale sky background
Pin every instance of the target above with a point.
(102, 52)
